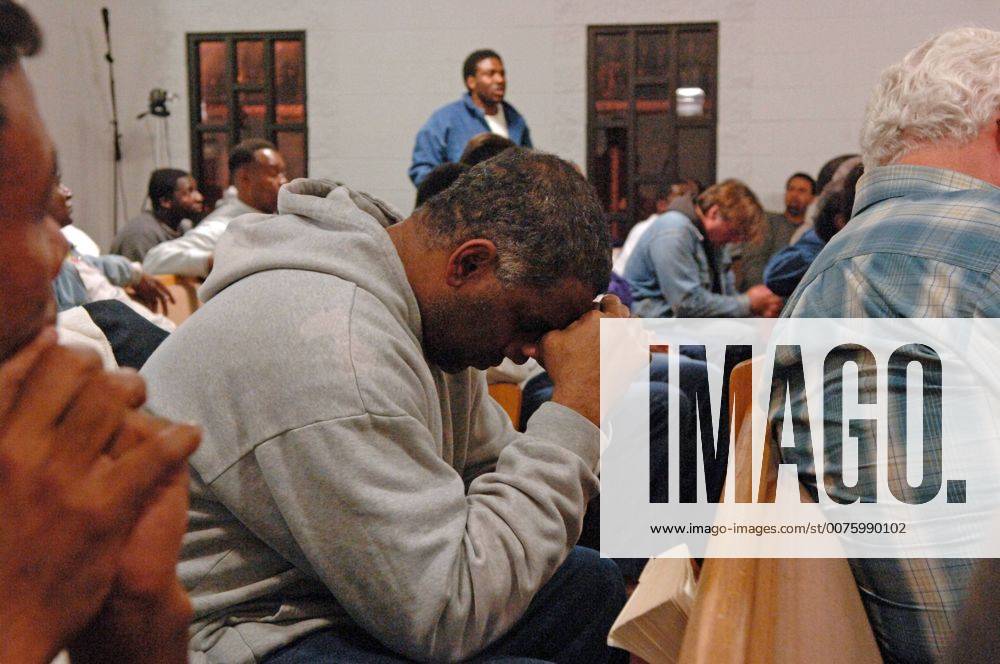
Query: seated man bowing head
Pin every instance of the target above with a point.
(358, 493)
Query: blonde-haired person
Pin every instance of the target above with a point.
(681, 266)
(924, 241)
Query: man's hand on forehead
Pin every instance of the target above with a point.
(572, 358)
(604, 306)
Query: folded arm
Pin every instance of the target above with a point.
(189, 255)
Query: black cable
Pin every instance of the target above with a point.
(119, 190)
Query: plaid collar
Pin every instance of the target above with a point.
(897, 180)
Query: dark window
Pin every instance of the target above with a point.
(651, 113)
(245, 85)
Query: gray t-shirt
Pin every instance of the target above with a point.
(750, 259)
(142, 234)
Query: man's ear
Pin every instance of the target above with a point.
(470, 83)
(167, 203)
(471, 260)
(712, 212)
(242, 176)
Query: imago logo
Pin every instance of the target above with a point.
(704, 440)
(805, 437)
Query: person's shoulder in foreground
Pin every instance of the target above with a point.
(364, 475)
(924, 242)
(93, 490)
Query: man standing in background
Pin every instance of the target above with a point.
(482, 108)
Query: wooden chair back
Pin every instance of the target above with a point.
(774, 610)
(508, 395)
(185, 292)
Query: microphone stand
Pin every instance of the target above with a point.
(118, 189)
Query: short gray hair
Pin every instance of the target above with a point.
(946, 89)
(541, 214)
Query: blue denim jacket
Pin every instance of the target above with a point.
(670, 274)
(444, 135)
(69, 288)
(786, 268)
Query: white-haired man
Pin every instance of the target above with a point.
(924, 241)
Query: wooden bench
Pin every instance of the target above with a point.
(774, 610)
(185, 293)
(508, 395)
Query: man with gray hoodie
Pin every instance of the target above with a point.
(358, 496)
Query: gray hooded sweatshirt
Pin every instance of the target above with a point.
(343, 479)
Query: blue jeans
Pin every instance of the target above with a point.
(567, 621)
(539, 389)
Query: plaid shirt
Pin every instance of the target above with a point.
(923, 242)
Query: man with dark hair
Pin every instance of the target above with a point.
(778, 231)
(800, 189)
(787, 267)
(258, 171)
(439, 179)
(381, 503)
(176, 206)
(92, 490)
(481, 109)
(694, 186)
(484, 146)
(828, 170)
(83, 279)
(836, 168)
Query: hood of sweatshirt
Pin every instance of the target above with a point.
(684, 205)
(321, 226)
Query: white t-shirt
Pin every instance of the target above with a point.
(631, 240)
(77, 328)
(498, 122)
(81, 241)
(99, 288)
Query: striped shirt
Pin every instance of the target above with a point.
(923, 242)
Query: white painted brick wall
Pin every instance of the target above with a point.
(794, 77)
